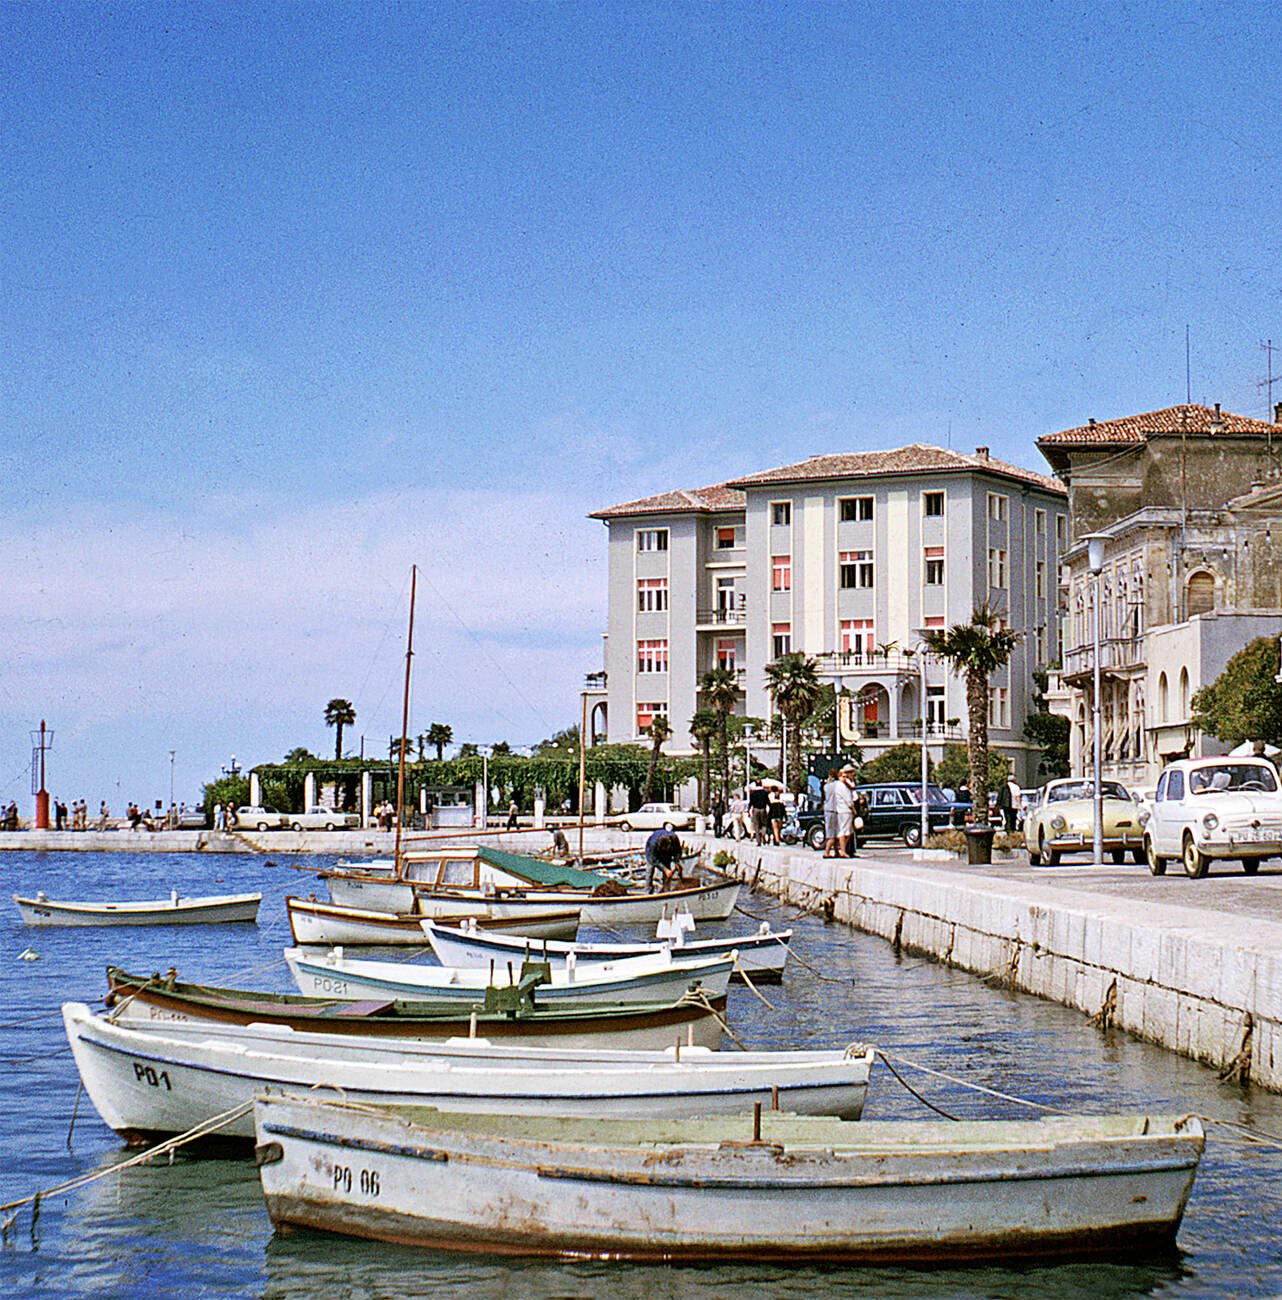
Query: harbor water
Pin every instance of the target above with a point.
(197, 1226)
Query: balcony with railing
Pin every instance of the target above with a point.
(867, 663)
(720, 618)
(1117, 654)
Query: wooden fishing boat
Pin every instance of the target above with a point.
(462, 879)
(509, 1019)
(314, 922)
(761, 955)
(782, 1187)
(174, 910)
(652, 977)
(147, 1082)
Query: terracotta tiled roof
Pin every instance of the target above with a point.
(916, 458)
(1137, 428)
(717, 497)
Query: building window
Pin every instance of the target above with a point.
(997, 568)
(652, 656)
(1040, 642)
(725, 539)
(934, 566)
(857, 636)
(933, 505)
(999, 706)
(935, 620)
(781, 573)
(781, 513)
(1201, 594)
(646, 714)
(1040, 579)
(935, 707)
(652, 595)
(856, 569)
(781, 638)
(726, 650)
(1061, 536)
(1039, 522)
(997, 507)
(856, 510)
(652, 539)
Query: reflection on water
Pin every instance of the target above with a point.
(198, 1226)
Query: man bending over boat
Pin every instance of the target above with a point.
(662, 852)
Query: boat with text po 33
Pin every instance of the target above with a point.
(149, 1082)
(652, 977)
(501, 1014)
(771, 1187)
(174, 910)
(493, 882)
(761, 956)
(314, 922)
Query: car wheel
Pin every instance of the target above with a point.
(262, 826)
(1118, 855)
(1034, 855)
(912, 837)
(625, 826)
(1047, 855)
(1155, 864)
(815, 837)
(668, 826)
(329, 826)
(297, 826)
(1250, 865)
(1195, 861)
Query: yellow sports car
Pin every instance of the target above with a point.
(1063, 821)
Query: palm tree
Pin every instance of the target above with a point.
(720, 687)
(793, 681)
(440, 734)
(339, 714)
(660, 730)
(703, 726)
(975, 651)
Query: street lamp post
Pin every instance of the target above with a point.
(747, 756)
(1095, 562)
(172, 755)
(925, 761)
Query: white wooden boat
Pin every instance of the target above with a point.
(653, 977)
(762, 954)
(784, 1188)
(173, 910)
(162, 999)
(314, 922)
(147, 1082)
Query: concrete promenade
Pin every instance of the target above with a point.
(1194, 965)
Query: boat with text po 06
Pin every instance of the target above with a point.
(770, 1187)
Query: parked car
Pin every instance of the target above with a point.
(650, 816)
(320, 818)
(1205, 809)
(893, 813)
(1063, 821)
(191, 819)
(256, 817)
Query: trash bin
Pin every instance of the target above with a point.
(979, 844)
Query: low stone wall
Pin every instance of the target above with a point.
(1203, 983)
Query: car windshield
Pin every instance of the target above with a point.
(1232, 776)
(1085, 790)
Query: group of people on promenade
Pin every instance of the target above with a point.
(845, 810)
(757, 813)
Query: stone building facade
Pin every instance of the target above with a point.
(846, 558)
(1189, 502)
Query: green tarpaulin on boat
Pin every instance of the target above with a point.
(537, 871)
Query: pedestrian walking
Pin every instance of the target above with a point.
(830, 812)
(758, 810)
(511, 816)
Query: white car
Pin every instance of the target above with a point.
(256, 817)
(650, 816)
(320, 818)
(1205, 809)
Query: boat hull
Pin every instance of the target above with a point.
(312, 922)
(146, 1083)
(925, 1196)
(220, 909)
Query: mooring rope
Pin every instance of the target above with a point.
(743, 975)
(699, 998)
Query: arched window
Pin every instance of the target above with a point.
(1201, 594)
(1163, 699)
(1184, 692)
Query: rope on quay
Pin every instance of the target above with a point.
(167, 1147)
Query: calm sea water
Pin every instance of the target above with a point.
(197, 1227)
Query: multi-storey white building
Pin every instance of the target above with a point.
(844, 557)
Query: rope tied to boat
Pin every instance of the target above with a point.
(696, 996)
(743, 975)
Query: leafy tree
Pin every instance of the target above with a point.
(898, 763)
(953, 770)
(468, 749)
(562, 742)
(500, 747)
(300, 755)
(975, 651)
(793, 682)
(439, 734)
(705, 724)
(230, 791)
(720, 689)
(1048, 731)
(1244, 702)
(660, 730)
(339, 714)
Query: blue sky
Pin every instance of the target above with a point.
(295, 296)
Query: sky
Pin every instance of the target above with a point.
(293, 297)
